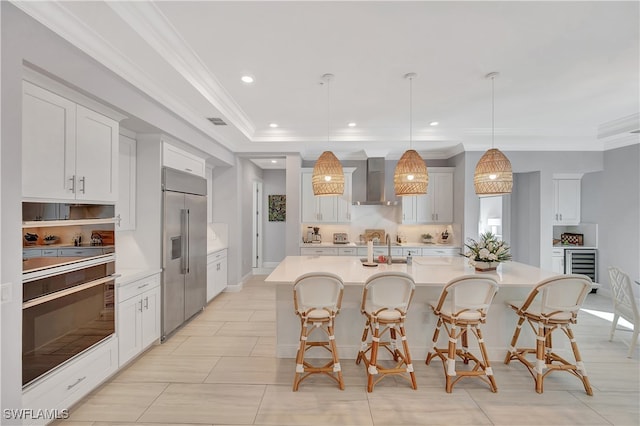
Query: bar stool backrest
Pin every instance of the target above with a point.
(318, 290)
(624, 301)
(468, 294)
(391, 290)
(559, 297)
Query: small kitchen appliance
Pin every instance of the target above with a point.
(340, 238)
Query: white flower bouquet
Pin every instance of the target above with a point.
(488, 249)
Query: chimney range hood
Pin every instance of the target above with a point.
(375, 184)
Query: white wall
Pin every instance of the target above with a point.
(611, 199)
(292, 241)
(250, 173)
(525, 218)
(274, 183)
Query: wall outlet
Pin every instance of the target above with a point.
(5, 293)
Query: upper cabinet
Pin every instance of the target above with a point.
(434, 207)
(566, 200)
(180, 159)
(126, 204)
(69, 152)
(325, 209)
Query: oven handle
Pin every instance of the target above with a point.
(66, 292)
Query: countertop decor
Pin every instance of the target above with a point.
(486, 254)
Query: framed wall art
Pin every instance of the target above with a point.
(277, 208)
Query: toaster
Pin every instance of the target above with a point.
(340, 238)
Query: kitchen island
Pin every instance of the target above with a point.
(430, 274)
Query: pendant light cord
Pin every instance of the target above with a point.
(328, 109)
(410, 112)
(493, 125)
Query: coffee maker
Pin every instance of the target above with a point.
(316, 237)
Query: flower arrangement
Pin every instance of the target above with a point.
(426, 237)
(488, 249)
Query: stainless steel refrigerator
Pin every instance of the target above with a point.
(184, 248)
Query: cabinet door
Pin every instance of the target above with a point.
(96, 156)
(221, 275)
(179, 159)
(441, 197)
(211, 277)
(126, 204)
(48, 144)
(557, 264)
(423, 208)
(150, 323)
(308, 203)
(344, 201)
(129, 323)
(567, 201)
(328, 208)
(409, 209)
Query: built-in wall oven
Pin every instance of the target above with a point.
(68, 285)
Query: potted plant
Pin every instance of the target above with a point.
(427, 238)
(50, 239)
(486, 254)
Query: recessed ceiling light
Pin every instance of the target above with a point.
(274, 161)
(433, 123)
(247, 79)
(273, 125)
(352, 124)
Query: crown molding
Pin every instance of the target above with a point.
(619, 126)
(153, 26)
(53, 15)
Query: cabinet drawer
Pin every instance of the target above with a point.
(377, 251)
(347, 251)
(319, 251)
(135, 288)
(557, 252)
(215, 256)
(65, 386)
(28, 253)
(84, 252)
(412, 251)
(440, 251)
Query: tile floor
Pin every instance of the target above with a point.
(220, 369)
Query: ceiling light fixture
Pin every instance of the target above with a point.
(411, 176)
(274, 161)
(273, 125)
(493, 175)
(352, 124)
(433, 123)
(327, 177)
(247, 79)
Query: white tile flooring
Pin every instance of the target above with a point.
(220, 369)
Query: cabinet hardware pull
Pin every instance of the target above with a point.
(560, 216)
(69, 387)
(143, 286)
(140, 305)
(73, 184)
(83, 184)
(118, 219)
(146, 302)
(188, 169)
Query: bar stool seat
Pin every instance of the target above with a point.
(317, 298)
(385, 301)
(552, 305)
(461, 309)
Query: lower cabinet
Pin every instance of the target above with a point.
(216, 273)
(66, 385)
(435, 251)
(318, 251)
(138, 316)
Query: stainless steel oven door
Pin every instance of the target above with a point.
(59, 324)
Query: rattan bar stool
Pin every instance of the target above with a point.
(461, 309)
(553, 304)
(385, 301)
(317, 298)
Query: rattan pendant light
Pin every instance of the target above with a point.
(411, 176)
(327, 177)
(493, 174)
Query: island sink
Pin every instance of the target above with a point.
(393, 260)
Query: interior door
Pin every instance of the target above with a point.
(173, 263)
(195, 286)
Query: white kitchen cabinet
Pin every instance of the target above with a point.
(126, 204)
(69, 152)
(319, 251)
(347, 251)
(325, 209)
(216, 273)
(557, 260)
(440, 197)
(180, 159)
(566, 201)
(440, 251)
(138, 316)
(380, 250)
(434, 207)
(413, 251)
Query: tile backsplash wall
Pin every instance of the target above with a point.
(382, 217)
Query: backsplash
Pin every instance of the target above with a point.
(382, 217)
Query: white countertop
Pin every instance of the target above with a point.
(573, 247)
(426, 270)
(401, 245)
(125, 276)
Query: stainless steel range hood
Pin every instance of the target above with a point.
(375, 184)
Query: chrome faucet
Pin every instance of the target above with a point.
(389, 260)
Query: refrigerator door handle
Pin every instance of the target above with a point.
(183, 238)
(187, 233)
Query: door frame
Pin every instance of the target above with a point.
(256, 236)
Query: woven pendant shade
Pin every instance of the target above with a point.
(493, 174)
(328, 177)
(410, 176)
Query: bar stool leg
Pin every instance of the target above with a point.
(485, 358)
(434, 351)
(405, 346)
(300, 355)
(582, 372)
(372, 369)
(514, 340)
(334, 355)
(541, 343)
(451, 359)
(363, 343)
